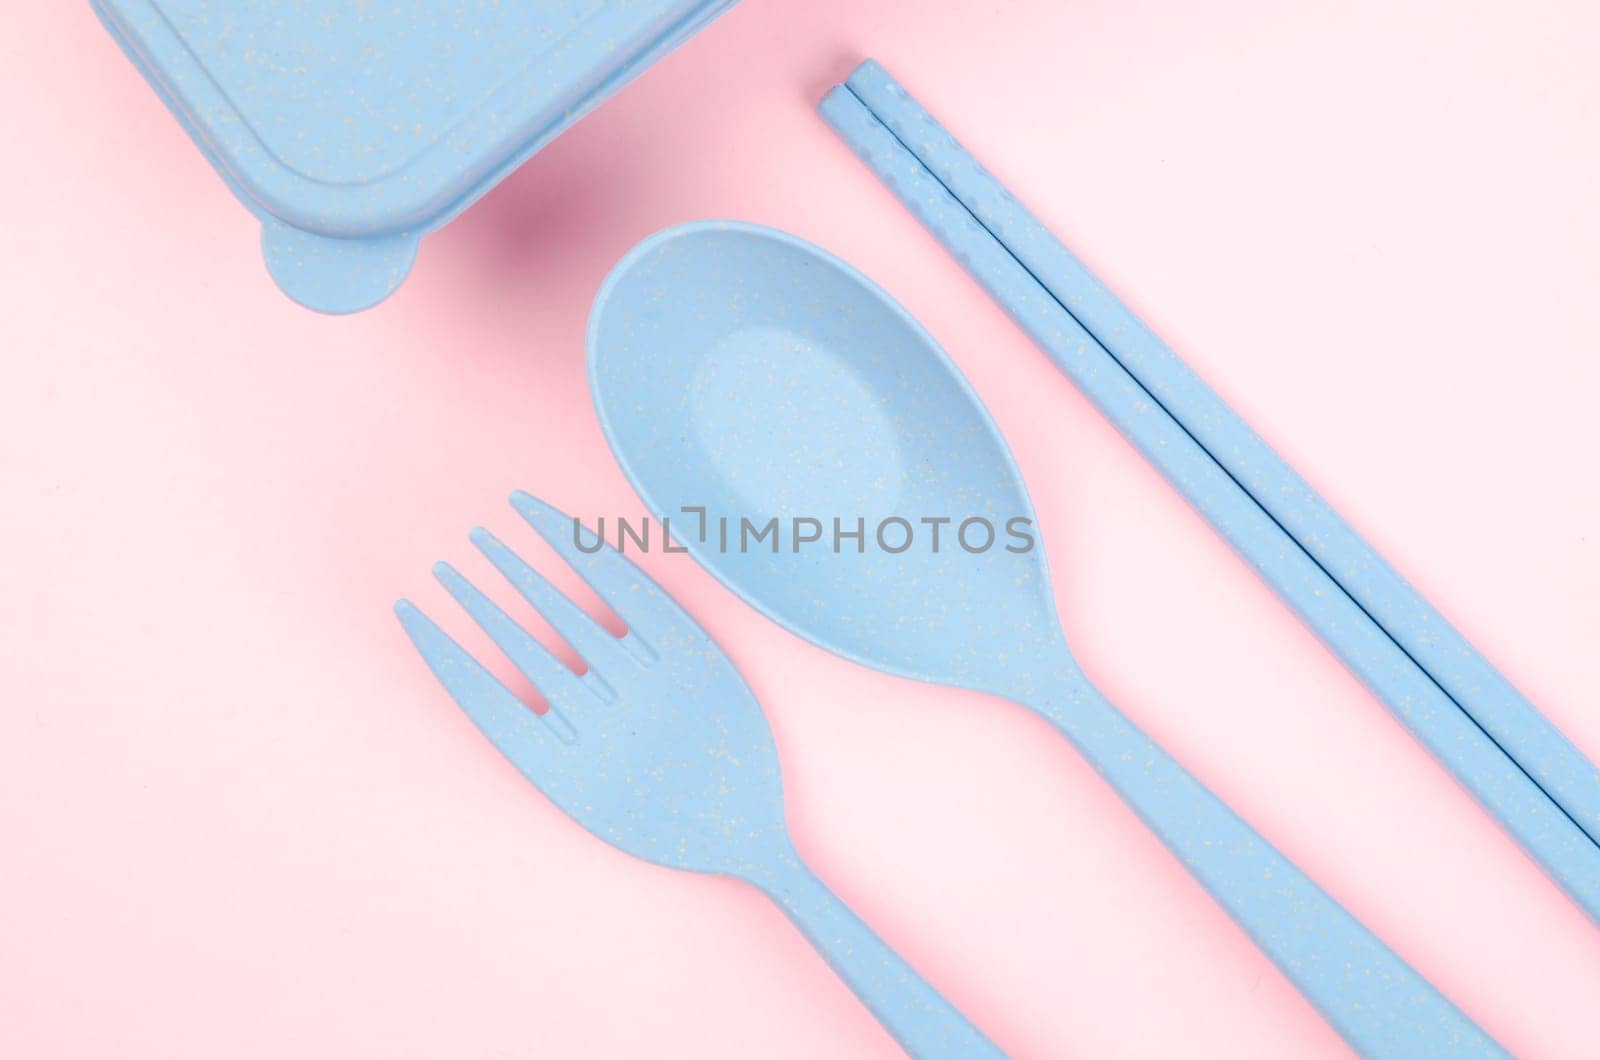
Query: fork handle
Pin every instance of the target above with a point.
(912, 1011)
(1378, 1003)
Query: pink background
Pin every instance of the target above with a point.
(238, 818)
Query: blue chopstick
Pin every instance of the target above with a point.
(1537, 746)
(993, 255)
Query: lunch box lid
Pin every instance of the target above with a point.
(353, 127)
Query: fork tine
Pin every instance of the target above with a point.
(559, 685)
(624, 587)
(518, 732)
(591, 640)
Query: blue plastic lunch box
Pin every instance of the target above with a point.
(353, 127)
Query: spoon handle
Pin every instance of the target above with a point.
(912, 1011)
(1380, 1004)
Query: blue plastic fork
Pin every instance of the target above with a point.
(661, 749)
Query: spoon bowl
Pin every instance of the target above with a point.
(748, 380)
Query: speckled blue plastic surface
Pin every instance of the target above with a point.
(742, 371)
(353, 129)
(661, 750)
(1518, 765)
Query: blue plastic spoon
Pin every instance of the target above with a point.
(805, 436)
